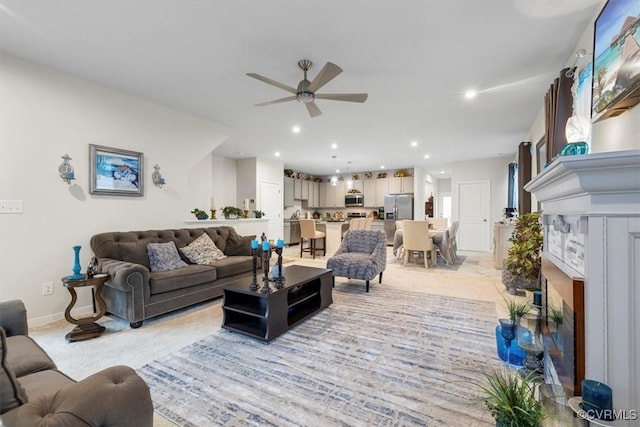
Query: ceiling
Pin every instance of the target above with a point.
(415, 59)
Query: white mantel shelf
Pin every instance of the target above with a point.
(243, 226)
(215, 222)
(592, 202)
(601, 183)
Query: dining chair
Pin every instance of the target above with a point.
(416, 238)
(438, 223)
(309, 233)
(453, 241)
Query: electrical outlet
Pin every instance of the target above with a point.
(47, 288)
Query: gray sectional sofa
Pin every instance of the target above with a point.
(135, 293)
(33, 392)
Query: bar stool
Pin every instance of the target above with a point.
(308, 231)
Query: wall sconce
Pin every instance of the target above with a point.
(579, 55)
(66, 170)
(156, 177)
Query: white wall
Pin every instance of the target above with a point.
(223, 185)
(45, 114)
(495, 170)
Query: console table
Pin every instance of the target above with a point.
(264, 316)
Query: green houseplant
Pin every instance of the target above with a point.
(227, 211)
(517, 309)
(258, 214)
(522, 266)
(200, 214)
(511, 399)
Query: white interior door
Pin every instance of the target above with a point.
(474, 213)
(271, 202)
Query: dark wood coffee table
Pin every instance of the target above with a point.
(264, 316)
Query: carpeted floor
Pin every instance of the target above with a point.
(360, 362)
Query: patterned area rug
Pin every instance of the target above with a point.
(385, 358)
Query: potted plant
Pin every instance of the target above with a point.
(228, 211)
(511, 399)
(200, 214)
(522, 266)
(517, 309)
(258, 214)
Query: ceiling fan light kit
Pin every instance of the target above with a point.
(305, 93)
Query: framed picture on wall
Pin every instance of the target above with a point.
(115, 171)
(541, 154)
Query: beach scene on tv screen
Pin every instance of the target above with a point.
(617, 53)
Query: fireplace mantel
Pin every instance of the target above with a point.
(602, 183)
(591, 217)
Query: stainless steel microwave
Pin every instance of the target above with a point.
(353, 200)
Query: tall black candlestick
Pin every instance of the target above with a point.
(254, 281)
(266, 254)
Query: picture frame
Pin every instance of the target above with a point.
(616, 80)
(115, 171)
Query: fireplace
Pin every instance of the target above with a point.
(563, 328)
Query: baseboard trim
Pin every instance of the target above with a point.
(50, 318)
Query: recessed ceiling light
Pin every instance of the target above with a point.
(414, 143)
(426, 156)
(337, 170)
(470, 94)
(295, 129)
(277, 154)
(334, 146)
(441, 172)
(382, 167)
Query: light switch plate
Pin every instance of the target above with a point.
(11, 206)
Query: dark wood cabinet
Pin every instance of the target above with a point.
(264, 316)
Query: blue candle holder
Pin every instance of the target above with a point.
(597, 399)
(76, 265)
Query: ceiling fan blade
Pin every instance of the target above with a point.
(328, 73)
(350, 97)
(272, 82)
(313, 109)
(276, 101)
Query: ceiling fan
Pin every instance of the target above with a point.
(306, 90)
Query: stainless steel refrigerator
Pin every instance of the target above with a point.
(396, 207)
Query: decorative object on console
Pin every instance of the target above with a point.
(157, 178)
(76, 265)
(92, 267)
(200, 214)
(66, 170)
(212, 207)
(508, 328)
(232, 211)
(115, 171)
(577, 131)
(266, 255)
(258, 213)
(597, 399)
(254, 254)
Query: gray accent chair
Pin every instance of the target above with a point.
(33, 392)
(362, 255)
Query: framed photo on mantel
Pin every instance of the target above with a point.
(115, 171)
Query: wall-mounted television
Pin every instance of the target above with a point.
(616, 59)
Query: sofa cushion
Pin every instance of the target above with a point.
(135, 252)
(191, 275)
(230, 266)
(26, 357)
(164, 257)
(43, 383)
(11, 393)
(202, 251)
(239, 245)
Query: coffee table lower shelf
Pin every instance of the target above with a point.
(265, 316)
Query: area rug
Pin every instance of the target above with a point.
(440, 262)
(383, 358)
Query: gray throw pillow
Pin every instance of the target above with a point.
(164, 257)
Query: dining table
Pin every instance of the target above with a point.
(440, 240)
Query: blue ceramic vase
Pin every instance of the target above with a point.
(76, 265)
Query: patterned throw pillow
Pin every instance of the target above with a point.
(164, 257)
(202, 251)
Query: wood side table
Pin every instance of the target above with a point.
(86, 326)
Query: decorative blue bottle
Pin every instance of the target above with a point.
(76, 265)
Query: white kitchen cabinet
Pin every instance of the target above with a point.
(369, 192)
(382, 189)
(322, 195)
(288, 191)
(401, 185)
